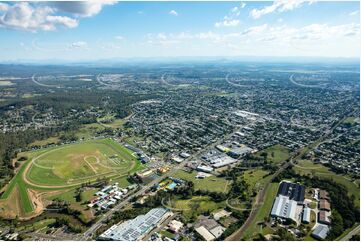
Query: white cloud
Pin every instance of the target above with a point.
(227, 23)
(255, 29)
(78, 45)
(278, 6)
(173, 12)
(47, 16)
(80, 8)
(4, 7)
(62, 20)
(243, 4)
(354, 13)
(119, 37)
(231, 19)
(24, 16)
(277, 37)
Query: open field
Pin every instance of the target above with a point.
(110, 121)
(51, 140)
(255, 177)
(213, 184)
(192, 208)
(87, 131)
(6, 83)
(66, 167)
(351, 120)
(275, 153)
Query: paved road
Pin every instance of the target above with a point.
(351, 233)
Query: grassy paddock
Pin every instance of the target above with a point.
(213, 184)
(275, 153)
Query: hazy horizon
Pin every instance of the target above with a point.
(93, 31)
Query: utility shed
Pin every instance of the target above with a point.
(306, 216)
(320, 232)
(324, 194)
(324, 205)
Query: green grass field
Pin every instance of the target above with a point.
(352, 120)
(255, 177)
(275, 153)
(69, 166)
(72, 164)
(192, 208)
(213, 183)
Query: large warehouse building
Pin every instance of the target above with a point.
(137, 228)
(289, 197)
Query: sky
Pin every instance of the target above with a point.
(97, 30)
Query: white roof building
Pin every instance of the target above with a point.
(306, 216)
(136, 228)
(175, 225)
(223, 161)
(320, 231)
(205, 168)
(285, 208)
(202, 231)
(222, 148)
(217, 231)
(220, 214)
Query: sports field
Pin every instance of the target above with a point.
(63, 167)
(74, 164)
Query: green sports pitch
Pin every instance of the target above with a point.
(66, 167)
(78, 163)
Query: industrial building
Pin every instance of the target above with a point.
(289, 201)
(324, 205)
(306, 216)
(294, 191)
(175, 226)
(324, 195)
(324, 217)
(222, 161)
(203, 168)
(239, 151)
(284, 208)
(320, 232)
(208, 228)
(136, 228)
